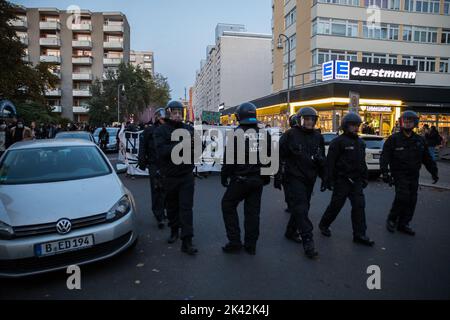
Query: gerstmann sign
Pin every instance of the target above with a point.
(349, 70)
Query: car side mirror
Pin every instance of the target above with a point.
(121, 168)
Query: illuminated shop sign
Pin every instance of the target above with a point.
(350, 70)
(376, 109)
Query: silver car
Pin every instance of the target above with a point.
(61, 204)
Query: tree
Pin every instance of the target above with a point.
(20, 82)
(141, 90)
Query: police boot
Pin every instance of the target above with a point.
(187, 247)
(232, 248)
(250, 249)
(406, 230)
(174, 235)
(293, 236)
(364, 240)
(310, 251)
(391, 225)
(325, 230)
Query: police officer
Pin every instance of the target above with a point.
(401, 160)
(292, 123)
(244, 182)
(302, 150)
(347, 177)
(148, 159)
(178, 179)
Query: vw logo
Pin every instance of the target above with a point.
(63, 226)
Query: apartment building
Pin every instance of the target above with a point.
(236, 69)
(80, 46)
(144, 59)
(368, 35)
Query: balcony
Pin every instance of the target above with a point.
(82, 27)
(82, 93)
(53, 93)
(112, 61)
(115, 28)
(57, 109)
(20, 23)
(82, 60)
(83, 44)
(82, 76)
(50, 59)
(50, 42)
(80, 109)
(50, 25)
(24, 40)
(113, 45)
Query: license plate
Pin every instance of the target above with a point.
(65, 245)
(377, 156)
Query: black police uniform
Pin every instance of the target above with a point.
(178, 180)
(403, 157)
(348, 175)
(148, 159)
(246, 184)
(303, 152)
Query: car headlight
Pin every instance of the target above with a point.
(6, 231)
(119, 210)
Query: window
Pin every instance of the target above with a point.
(383, 4)
(379, 58)
(292, 70)
(424, 6)
(290, 18)
(445, 37)
(342, 2)
(420, 34)
(383, 31)
(425, 64)
(336, 27)
(320, 56)
(444, 65)
(447, 7)
(293, 43)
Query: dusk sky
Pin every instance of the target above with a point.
(177, 31)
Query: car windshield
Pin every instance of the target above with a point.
(328, 137)
(51, 164)
(82, 136)
(374, 143)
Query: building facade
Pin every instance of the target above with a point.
(379, 33)
(236, 69)
(144, 59)
(80, 47)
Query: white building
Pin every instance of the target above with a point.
(237, 69)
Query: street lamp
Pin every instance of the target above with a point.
(119, 87)
(280, 46)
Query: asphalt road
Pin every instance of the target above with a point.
(411, 267)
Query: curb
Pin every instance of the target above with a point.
(435, 186)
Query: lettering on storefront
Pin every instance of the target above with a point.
(376, 109)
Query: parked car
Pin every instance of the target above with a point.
(82, 135)
(112, 144)
(374, 146)
(61, 204)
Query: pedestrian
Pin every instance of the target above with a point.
(347, 177)
(4, 137)
(103, 138)
(244, 182)
(401, 160)
(20, 132)
(178, 179)
(433, 140)
(148, 160)
(302, 150)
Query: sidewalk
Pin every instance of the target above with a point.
(444, 176)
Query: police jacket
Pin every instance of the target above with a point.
(164, 147)
(147, 150)
(302, 154)
(347, 158)
(251, 151)
(404, 155)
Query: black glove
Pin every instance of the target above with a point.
(142, 166)
(365, 183)
(224, 181)
(277, 182)
(435, 179)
